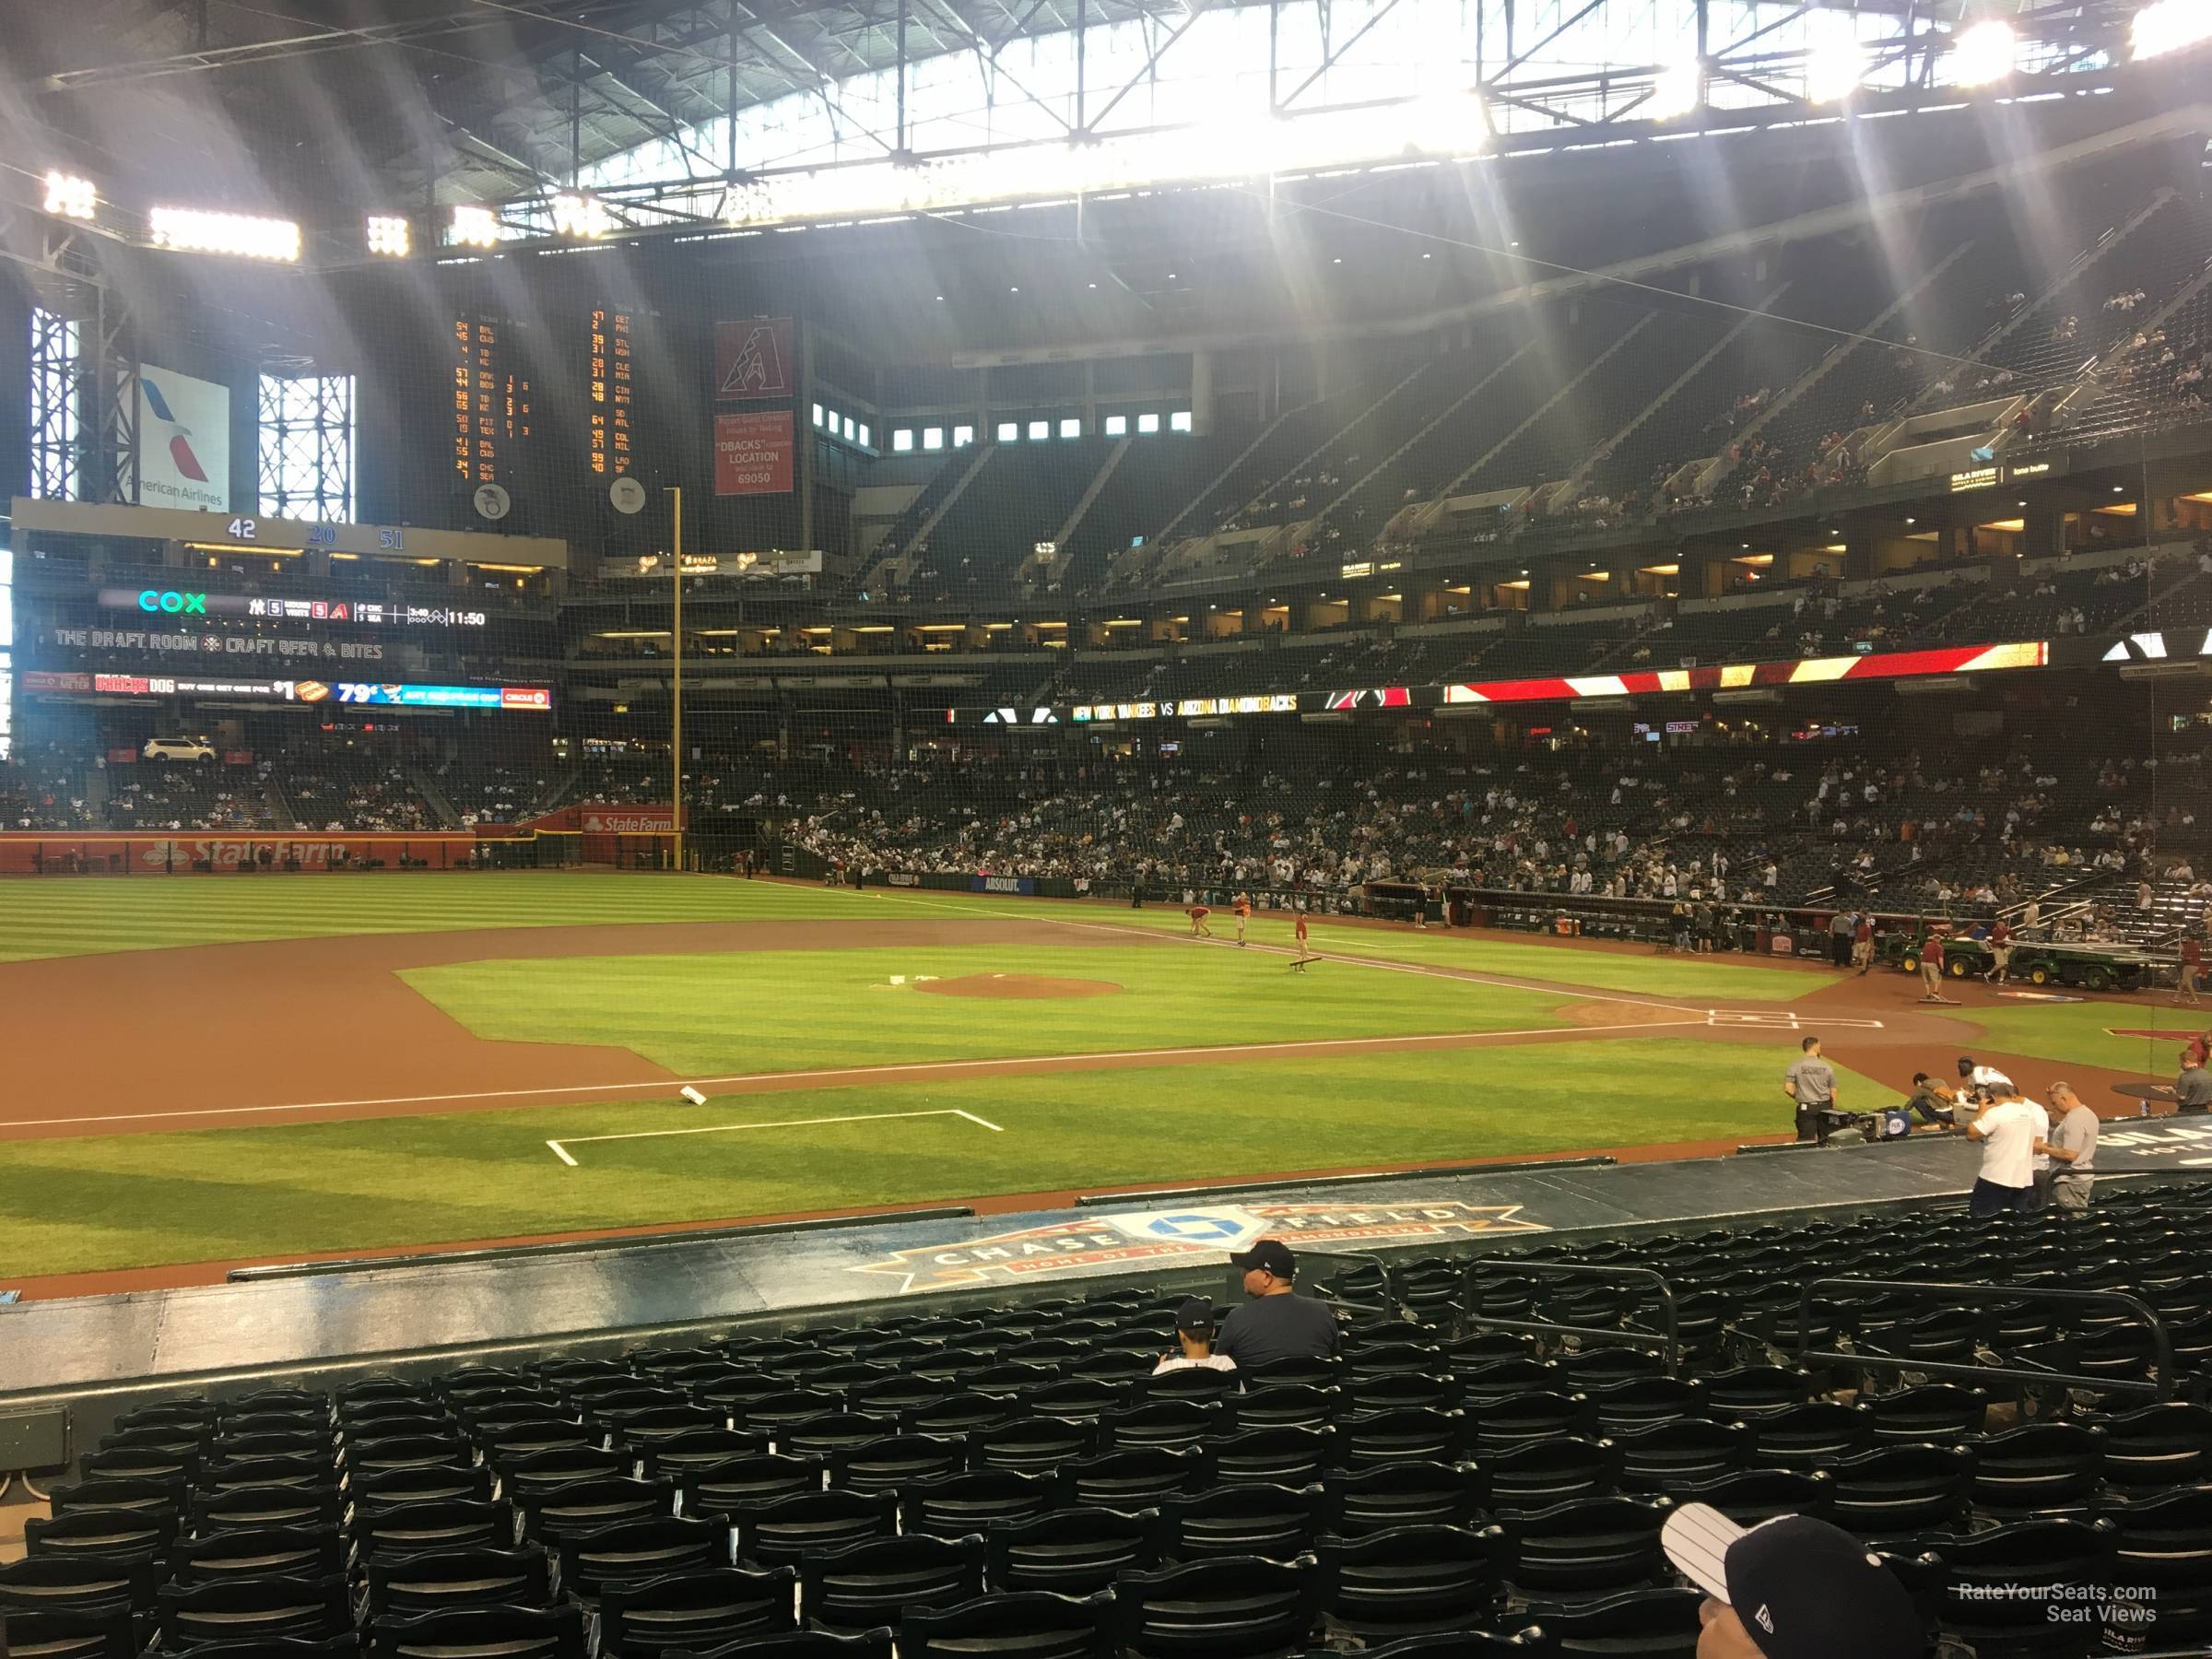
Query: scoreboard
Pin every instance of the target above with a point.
(490, 401)
(610, 378)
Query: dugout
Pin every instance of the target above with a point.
(1401, 901)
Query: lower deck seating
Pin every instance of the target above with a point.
(1016, 1481)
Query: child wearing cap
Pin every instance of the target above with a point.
(1791, 1588)
(1195, 1330)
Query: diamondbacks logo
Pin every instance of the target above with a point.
(1183, 1235)
(753, 360)
(180, 438)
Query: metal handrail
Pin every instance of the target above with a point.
(2162, 1341)
(1669, 1342)
(1365, 1257)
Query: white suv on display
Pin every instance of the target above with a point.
(179, 749)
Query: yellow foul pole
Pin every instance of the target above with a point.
(675, 722)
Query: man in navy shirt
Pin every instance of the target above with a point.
(1277, 1323)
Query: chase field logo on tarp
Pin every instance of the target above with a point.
(2188, 1144)
(1196, 1234)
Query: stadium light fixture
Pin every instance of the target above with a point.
(581, 215)
(1677, 91)
(475, 228)
(195, 230)
(68, 196)
(390, 236)
(1985, 54)
(2171, 26)
(1447, 123)
(1832, 72)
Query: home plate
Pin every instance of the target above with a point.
(1782, 1019)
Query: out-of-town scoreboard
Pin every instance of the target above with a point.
(610, 382)
(490, 401)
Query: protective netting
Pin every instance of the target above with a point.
(1100, 612)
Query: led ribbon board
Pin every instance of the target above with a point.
(1731, 677)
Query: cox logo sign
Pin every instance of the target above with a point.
(175, 603)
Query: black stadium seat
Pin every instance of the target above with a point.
(227, 1609)
(859, 1587)
(1021, 1625)
(800, 1645)
(432, 1581)
(695, 1611)
(98, 1633)
(1277, 1522)
(1236, 1607)
(1413, 1580)
(790, 1530)
(1072, 1551)
(482, 1633)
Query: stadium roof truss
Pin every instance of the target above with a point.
(723, 114)
(929, 104)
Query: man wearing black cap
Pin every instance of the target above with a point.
(1982, 1082)
(1792, 1588)
(1277, 1323)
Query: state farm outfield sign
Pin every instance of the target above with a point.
(1186, 1237)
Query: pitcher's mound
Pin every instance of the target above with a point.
(1019, 986)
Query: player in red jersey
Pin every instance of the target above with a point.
(1198, 913)
(1243, 907)
(1305, 952)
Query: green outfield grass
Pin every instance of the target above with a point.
(808, 1009)
(2082, 1032)
(78, 1206)
(74, 916)
(278, 1190)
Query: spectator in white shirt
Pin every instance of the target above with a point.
(2008, 1129)
(1194, 1331)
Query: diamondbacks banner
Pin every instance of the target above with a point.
(753, 359)
(753, 453)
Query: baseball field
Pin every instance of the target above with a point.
(205, 1071)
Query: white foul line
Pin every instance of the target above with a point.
(561, 1149)
(845, 1076)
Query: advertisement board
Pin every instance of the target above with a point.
(624, 820)
(118, 852)
(533, 699)
(753, 453)
(195, 602)
(752, 358)
(210, 644)
(183, 440)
